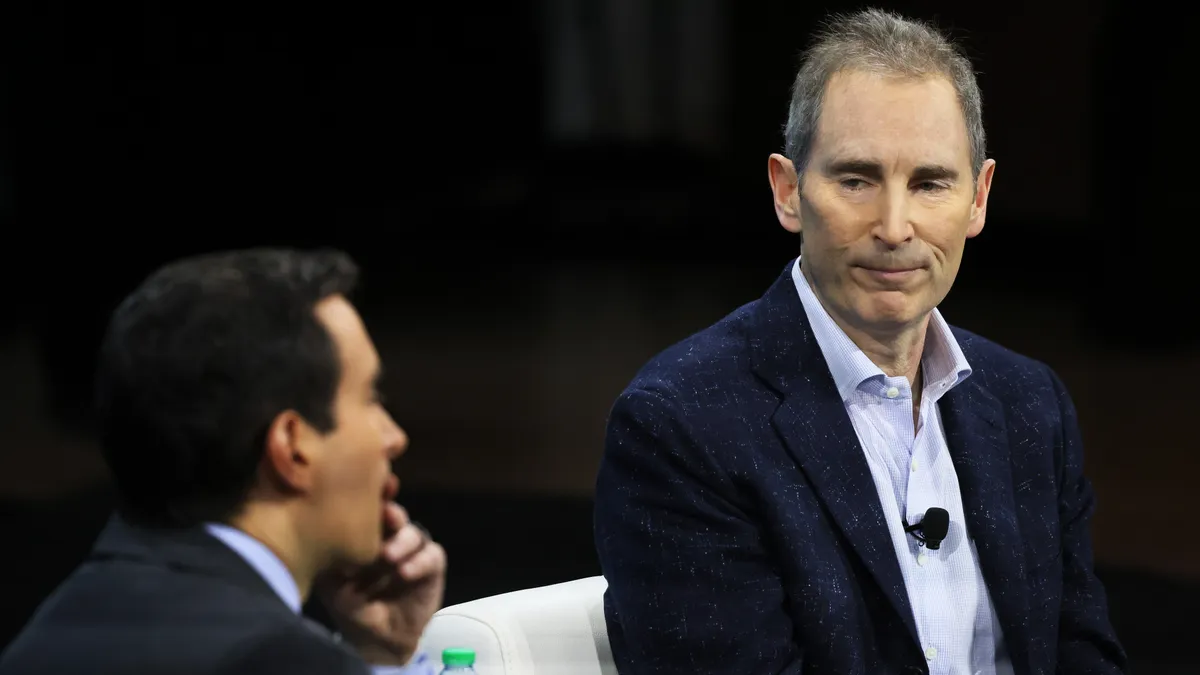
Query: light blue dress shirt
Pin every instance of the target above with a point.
(277, 576)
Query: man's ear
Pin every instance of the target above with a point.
(289, 452)
(983, 188)
(785, 187)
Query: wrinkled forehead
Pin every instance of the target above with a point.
(892, 120)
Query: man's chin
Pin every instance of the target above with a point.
(883, 325)
(891, 310)
(365, 552)
(365, 556)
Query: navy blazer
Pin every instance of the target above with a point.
(740, 531)
(178, 602)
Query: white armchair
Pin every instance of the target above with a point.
(551, 630)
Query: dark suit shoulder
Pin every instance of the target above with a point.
(159, 619)
(717, 353)
(1008, 375)
(693, 405)
(1038, 410)
(291, 650)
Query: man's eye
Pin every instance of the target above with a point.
(930, 186)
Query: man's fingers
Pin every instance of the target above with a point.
(395, 518)
(425, 561)
(404, 544)
(429, 561)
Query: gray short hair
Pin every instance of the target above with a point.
(876, 41)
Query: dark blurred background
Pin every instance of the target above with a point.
(543, 195)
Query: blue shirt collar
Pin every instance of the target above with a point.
(943, 363)
(258, 556)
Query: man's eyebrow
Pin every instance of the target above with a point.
(863, 167)
(874, 170)
(934, 172)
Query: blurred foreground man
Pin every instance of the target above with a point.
(761, 505)
(241, 421)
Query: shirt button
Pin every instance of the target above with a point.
(892, 392)
(913, 466)
(931, 653)
(922, 559)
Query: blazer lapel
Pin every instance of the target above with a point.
(973, 420)
(815, 427)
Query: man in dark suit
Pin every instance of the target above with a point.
(241, 420)
(761, 504)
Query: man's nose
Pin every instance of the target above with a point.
(894, 228)
(397, 439)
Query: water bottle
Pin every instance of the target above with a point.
(458, 662)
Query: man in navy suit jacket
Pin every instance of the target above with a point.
(759, 508)
(241, 421)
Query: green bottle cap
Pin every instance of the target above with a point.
(458, 658)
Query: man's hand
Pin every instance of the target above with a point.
(382, 608)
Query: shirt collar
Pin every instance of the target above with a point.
(258, 556)
(943, 363)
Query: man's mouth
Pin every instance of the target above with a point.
(890, 267)
(391, 488)
(387, 496)
(890, 274)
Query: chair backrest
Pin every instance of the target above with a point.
(536, 631)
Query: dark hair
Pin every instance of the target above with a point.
(196, 364)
